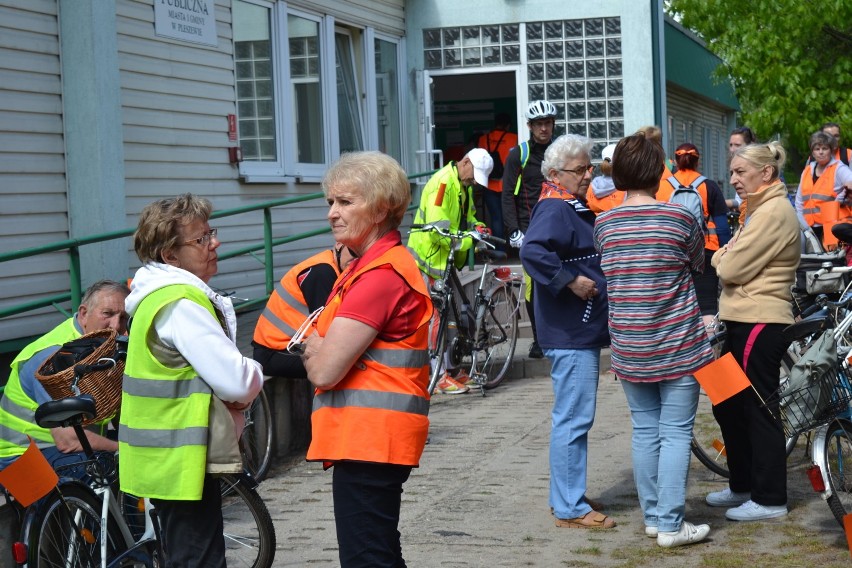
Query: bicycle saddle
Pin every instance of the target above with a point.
(814, 323)
(843, 232)
(65, 412)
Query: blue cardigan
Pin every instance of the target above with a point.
(559, 246)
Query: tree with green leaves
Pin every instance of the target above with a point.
(790, 61)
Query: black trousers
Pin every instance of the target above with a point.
(754, 438)
(192, 531)
(367, 498)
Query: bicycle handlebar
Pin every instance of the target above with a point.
(489, 240)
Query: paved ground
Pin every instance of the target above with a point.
(480, 498)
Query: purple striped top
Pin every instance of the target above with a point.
(647, 252)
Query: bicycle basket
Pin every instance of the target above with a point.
(817, 391)
(57, 372)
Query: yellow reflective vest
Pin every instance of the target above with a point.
(379, 411)
(165, 408)
(448, 204)
(17, 410)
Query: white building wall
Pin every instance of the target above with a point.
(175, 98)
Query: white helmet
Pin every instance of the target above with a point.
(540, 109)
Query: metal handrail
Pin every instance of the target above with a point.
(73, 248)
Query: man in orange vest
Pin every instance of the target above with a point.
(499, 140)
(841, 153)
(303, 289)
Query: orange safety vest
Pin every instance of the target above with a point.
(378, 412)
(286, 308)
(814, 194)
(686, 177)
(500, 141)
(600, 204)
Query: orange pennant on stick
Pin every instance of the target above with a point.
(30, 477)
(722, 379)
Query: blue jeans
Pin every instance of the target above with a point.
(662, 415)
(574, 373)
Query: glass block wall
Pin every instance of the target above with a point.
(575, 64)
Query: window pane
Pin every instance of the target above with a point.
(387, 99)
(304, 62)
(253, 68)
(348, 96)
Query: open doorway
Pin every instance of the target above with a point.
(464, 108)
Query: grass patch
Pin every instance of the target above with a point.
(588, 550)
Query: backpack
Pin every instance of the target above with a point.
(525, 156)
(688, 196)
(497, 170)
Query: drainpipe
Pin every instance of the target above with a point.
(658, 48)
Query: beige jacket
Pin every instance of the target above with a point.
(758, 266)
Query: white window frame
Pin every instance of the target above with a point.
(287, 168)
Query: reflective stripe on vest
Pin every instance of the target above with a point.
(372, 399)
(286, 308)
(17, 409)
(164, 410)
(378, 411)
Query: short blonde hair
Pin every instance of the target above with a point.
(380, 179)
(160, 221)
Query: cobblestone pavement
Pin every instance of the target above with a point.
(480, 498)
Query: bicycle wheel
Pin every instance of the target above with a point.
(257, 438)
(67, 531)
(436, 354)
(496, 334)
(837, 461)
(249, 533)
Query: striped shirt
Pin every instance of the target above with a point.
(655, 324)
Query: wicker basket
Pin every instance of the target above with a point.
(103, 385)
(817, 403)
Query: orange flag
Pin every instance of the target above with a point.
(30, 477)
(847, 526)
(722, 379)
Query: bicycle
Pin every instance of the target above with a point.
(482, 335)
(92, 524)
(822, 408)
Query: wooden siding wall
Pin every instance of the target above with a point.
(175, 100)
(704, 124)
(33, 201)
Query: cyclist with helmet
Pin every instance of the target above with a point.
(522, 179)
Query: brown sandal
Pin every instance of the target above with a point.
(591, 520)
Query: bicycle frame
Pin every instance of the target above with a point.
(480, 331)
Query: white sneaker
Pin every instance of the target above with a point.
(751, 511)
(726, 498)
(651, 532)
(688, 534)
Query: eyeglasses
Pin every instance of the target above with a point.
(204, 239)
(580, 170)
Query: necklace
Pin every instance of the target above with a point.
(629, 196)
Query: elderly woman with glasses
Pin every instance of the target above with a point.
(570, 304)
(186, 382)
(368, 361)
